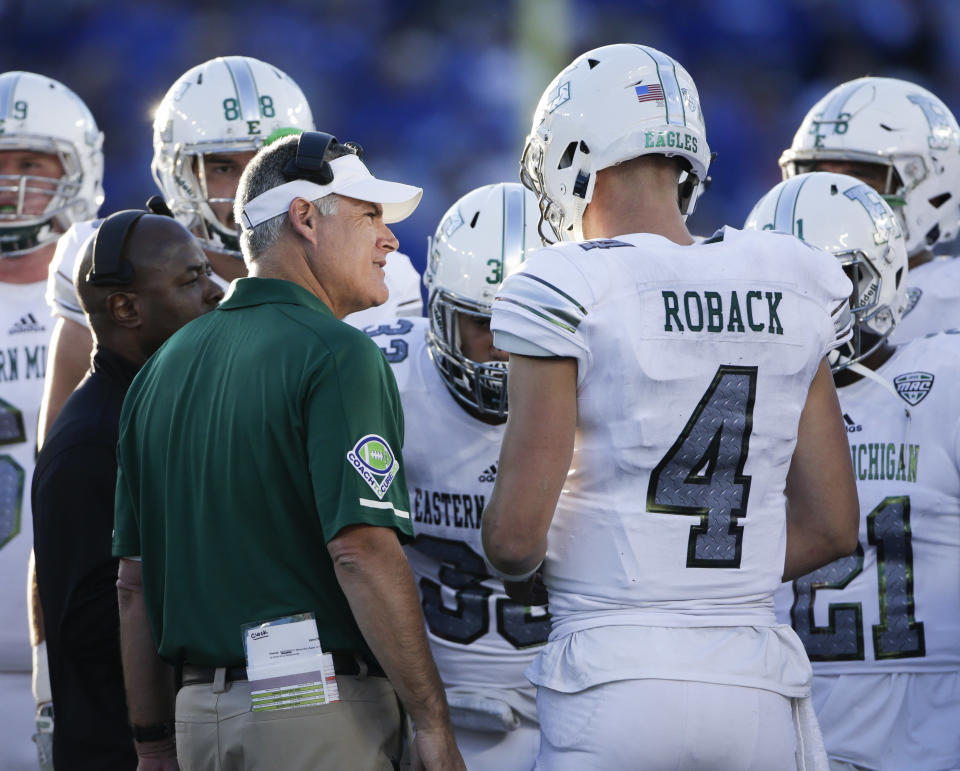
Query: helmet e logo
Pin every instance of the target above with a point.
(940, 129)
(870, 200)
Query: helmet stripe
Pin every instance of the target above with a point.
(784, 215)
(831, 113)
(513, 224)
(8, 87)
(245, 85)
(673, 97)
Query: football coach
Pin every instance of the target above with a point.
(261, 499)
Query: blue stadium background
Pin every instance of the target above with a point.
(440, 93)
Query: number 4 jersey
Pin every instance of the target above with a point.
(694, 364)
(477, 635)
(894, 604)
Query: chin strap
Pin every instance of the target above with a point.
(885, 384)
(869, 374)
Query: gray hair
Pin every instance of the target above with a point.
(263, 173)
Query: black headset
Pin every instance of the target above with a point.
(110, 268)
(309, 163)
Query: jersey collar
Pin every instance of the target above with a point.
(250, 291)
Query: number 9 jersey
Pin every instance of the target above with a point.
(478, 637)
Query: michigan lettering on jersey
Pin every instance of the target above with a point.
(28, 362)
(434, 507)
(698, 311)
(885, 460)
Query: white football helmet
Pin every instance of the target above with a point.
(849, 219)
(610, 105)
(898, 125)
(481, 240)
(229, 104)
(40, 114)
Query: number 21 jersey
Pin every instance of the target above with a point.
(894, 604)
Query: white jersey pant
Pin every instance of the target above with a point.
(892, 722)
(17, 722)
(666, 724)
(514, 750)
(495, 729)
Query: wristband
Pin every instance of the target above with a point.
(153, 733)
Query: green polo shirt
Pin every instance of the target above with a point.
(247, 442)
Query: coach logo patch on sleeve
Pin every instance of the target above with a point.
(374, 461)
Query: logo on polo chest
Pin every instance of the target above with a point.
(913, 387)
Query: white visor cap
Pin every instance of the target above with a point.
(351, 178)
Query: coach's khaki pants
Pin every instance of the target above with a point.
(219, 732)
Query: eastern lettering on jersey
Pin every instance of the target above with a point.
(28, 362)
(913, 387)
(696, 311)
(680, 140)
(375, 462)
(885, 460)
(436, 507)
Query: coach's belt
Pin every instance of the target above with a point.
(343, 664)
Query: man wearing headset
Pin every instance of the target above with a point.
(277, 515)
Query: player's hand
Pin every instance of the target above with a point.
(529, 592)
(436, 750)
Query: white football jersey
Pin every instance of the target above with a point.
(403, 282)
(23, 360)
(694, 364)
(894, 604)
(933, 300)
(61, 294)
(477, 635)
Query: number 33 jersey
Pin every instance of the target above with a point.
(477, 635)
(894, 604)
(694, 364)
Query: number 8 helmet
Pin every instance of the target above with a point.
(41, 114)
(229, 104)
(610, 105)
(849, 219)
(481, 239)
(898, 125)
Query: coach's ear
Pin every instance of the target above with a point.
(304, 219)
(123, 308)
